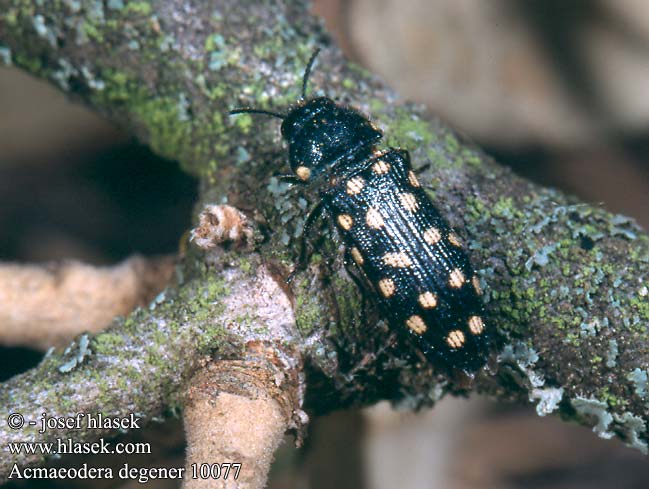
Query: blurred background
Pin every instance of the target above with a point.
(559, 91)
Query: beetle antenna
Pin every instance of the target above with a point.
(246, 110)
(307, 72)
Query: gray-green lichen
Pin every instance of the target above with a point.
(548, 399)
(639, 379)
(634, 430)
(5, 56)
(612, 353)
(597, 410)
(75, 355)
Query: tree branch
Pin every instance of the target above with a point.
(141, 364)
(566, 282)
(47, 305)
(220, 424)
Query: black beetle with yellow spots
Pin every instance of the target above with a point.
(399, 244)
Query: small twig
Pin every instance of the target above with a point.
(235, 416)
(47, 305)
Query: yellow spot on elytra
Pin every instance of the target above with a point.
(428, 300)
(454, 239)
(416, 324)
(356, 255)
(409, 201)
(475, 281)
(456, 279)
(413, 179)
(397, 260)
(355, 185)
(381, 167)
(303, 173)
(455, 339)
(476, 324)
(386, 286)
(374, 218)
(432, 236)
(346, 222)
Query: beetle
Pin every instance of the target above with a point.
(403, 250)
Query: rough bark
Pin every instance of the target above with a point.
(566, 282)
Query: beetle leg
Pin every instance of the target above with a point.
(315, 213)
